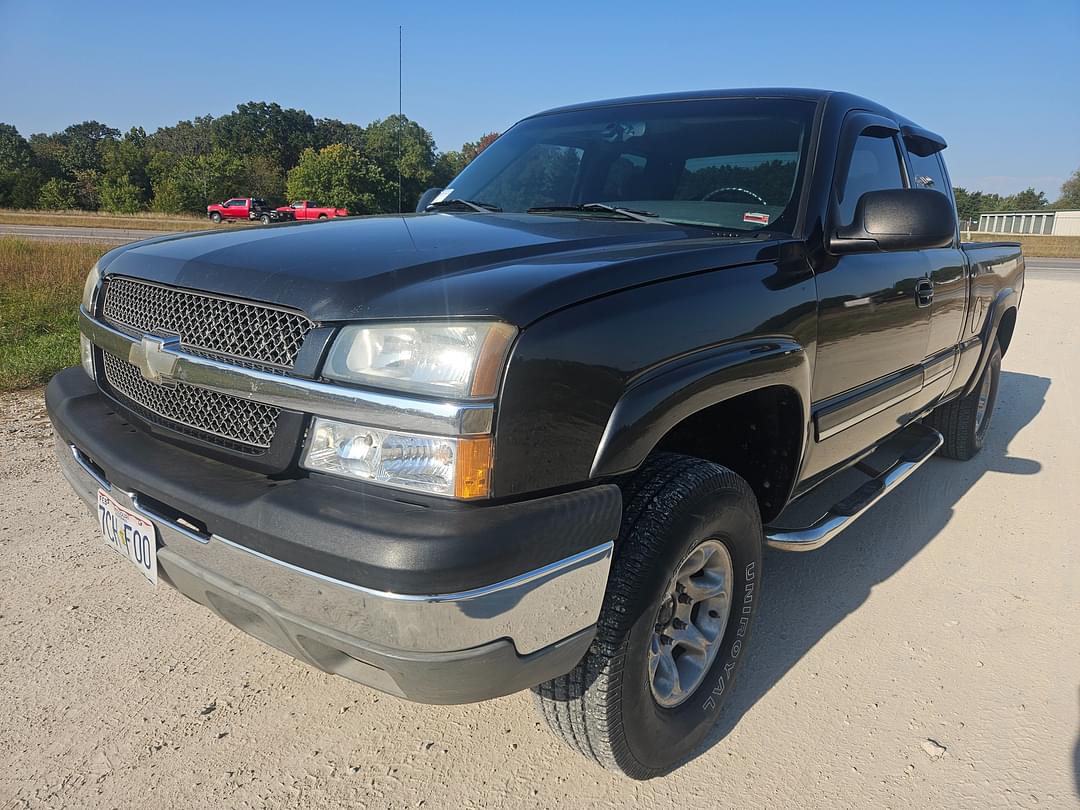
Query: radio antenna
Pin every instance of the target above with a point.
(401, 120)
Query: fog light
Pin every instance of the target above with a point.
(459, 468)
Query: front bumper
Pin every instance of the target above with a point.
(526, 624)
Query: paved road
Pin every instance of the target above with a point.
(1057, 269)
(54, 233)
(949, 613)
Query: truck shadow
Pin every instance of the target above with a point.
(806, 595)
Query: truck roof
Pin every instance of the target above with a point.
(845, 100)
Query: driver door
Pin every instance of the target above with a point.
(873, 316)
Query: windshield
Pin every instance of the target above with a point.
(735, 164)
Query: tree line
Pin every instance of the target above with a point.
(969, 204)
(264, 150)
(259, 150)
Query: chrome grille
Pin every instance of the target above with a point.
(218, 418)
(223, 327)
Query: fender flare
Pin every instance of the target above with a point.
(1006, 299)
(662, 397)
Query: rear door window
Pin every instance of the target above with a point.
(927, 172)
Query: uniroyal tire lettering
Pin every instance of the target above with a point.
(736, 648)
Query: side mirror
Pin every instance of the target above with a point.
(897, 219)
(426, 198)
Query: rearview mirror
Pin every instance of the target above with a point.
(897, 219)
(426, 198)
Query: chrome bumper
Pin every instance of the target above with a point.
(534, 610)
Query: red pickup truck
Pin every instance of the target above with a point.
(309, 209)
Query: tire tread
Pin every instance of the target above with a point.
(583, 707)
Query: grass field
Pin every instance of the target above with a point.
(94, 219)
(40, 287)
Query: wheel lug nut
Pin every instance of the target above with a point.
(678, 624)
(664, 639)
(684, 599)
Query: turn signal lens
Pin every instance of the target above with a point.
(472, 479)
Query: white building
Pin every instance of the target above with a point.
(1056, 223)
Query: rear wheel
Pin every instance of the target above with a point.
(964, 422)
(215, 217)
(322, 216)
(684, 587)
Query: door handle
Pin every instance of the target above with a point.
(924, 292)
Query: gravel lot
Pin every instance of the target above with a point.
(929, 657)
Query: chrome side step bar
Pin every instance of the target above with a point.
(925, 442)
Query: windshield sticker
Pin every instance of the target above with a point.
(760, 219)
(442, 195)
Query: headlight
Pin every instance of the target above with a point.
(459, 360)
(93, 278)
(458, 468)
(86, 349)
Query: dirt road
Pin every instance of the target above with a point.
(929, 657)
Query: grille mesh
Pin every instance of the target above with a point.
(218, 418)
(224, 327)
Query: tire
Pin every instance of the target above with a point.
(322, 216)
(609, 707)
(215, 217)
(962, 422)
(265, 219)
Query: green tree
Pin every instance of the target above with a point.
(82, 146)
(330, 131)
(57, 195)
(184, 138)
(19, 178)
(471, 149)
(258, 128)
(338, 175)
(120, 196)
(125, 182)
(397, 144)
(1070, 192)
(191, 183)
(448, 165)
(87, 189)
(1027, 200)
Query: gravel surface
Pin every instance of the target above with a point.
(929, 657)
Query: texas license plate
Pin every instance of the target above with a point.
(130, 535)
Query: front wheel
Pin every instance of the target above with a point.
(683, 591)
(964, 422)
(265, 219)
(215, 217)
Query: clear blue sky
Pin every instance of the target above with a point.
(999, 80)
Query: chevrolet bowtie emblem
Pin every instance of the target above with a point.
(152, 358)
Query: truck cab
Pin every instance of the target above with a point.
(309, 209)
(234, 208)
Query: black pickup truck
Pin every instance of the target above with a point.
(539, 434)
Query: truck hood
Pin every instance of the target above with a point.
(517, 267)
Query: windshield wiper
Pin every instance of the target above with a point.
(628, 213)
(474, 205)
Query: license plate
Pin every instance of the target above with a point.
(128, 534)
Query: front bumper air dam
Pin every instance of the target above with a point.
(454, 647)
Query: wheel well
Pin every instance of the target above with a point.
(1005, 329)
(757, 435)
